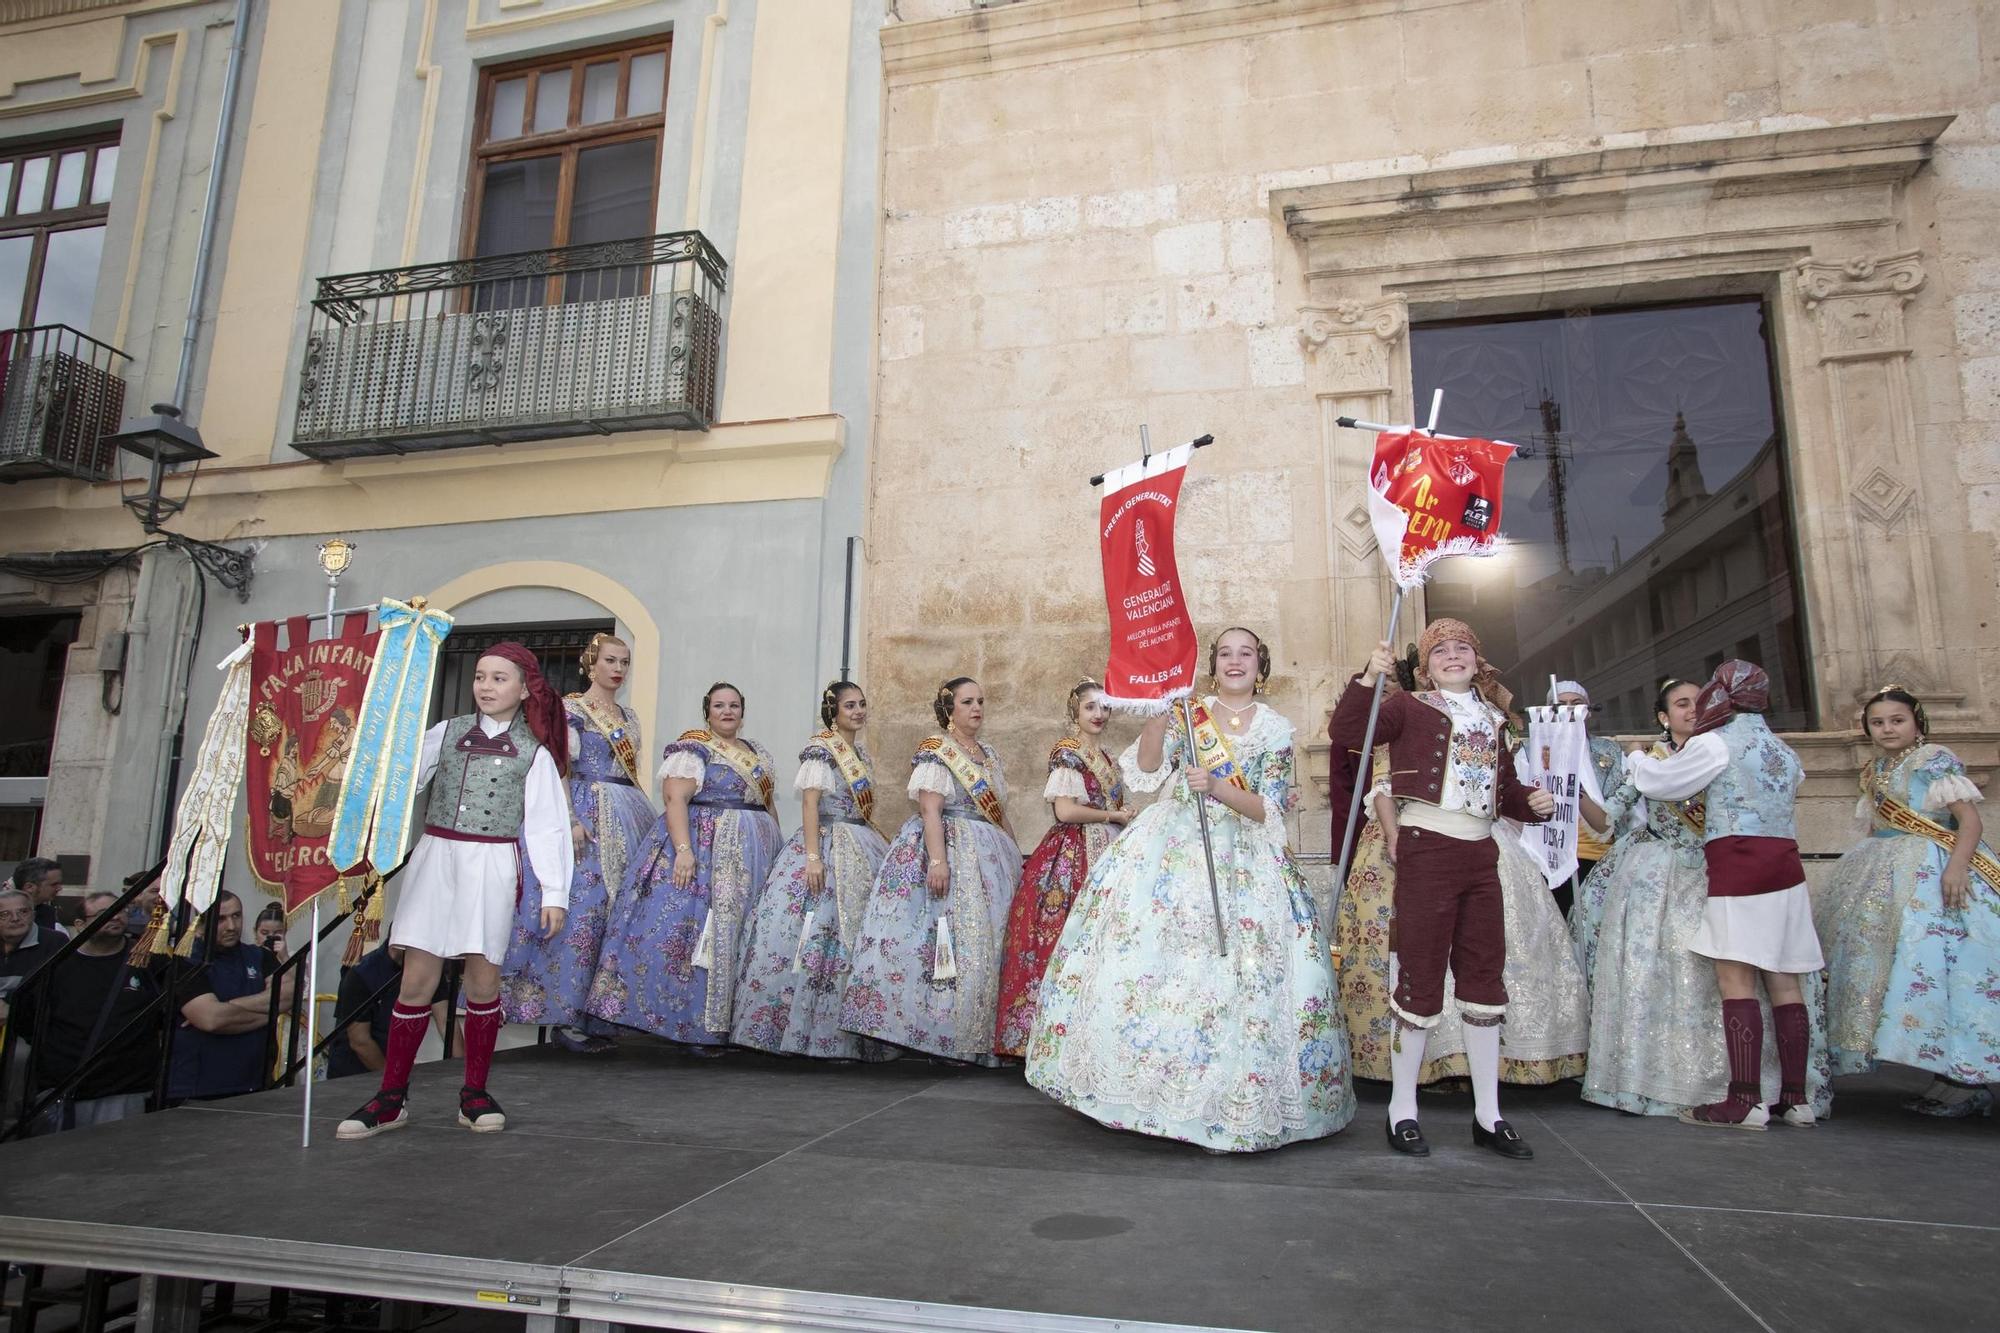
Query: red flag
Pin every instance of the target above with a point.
(304, 699)
(1153, 645)
(1434, 496)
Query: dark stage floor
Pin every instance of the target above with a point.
(644, 1187)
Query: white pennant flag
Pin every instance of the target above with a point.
(1557, 759)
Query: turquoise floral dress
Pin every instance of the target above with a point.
(1910, 982)
(1144, 1026)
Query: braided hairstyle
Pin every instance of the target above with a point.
(1896, 694)
(946, 696)
(1263, 654)
(1082, 690)
(829, 700)
(713, 689)
(587, 659)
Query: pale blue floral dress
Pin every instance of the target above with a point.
(1144, 1026)
(1910, 982)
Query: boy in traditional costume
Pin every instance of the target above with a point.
(1451, 776)
(496, 780)
(1759, 914)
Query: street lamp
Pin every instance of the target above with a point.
(164, 440)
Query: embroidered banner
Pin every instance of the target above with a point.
(201, 820)
(1557, 759)
(371, 821)
(1431, 496)
(305, 699)
(1153, 643)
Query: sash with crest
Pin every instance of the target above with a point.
(1100, 768)
(853, 771)
(1693, 812)
(1211, 747)
(755, 776)
(970, 776)
(1903, 819)
(616, 733)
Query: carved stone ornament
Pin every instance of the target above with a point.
(1348, 344)
(1859, 302)
(1881, 497)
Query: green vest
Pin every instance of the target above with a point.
(481, 783)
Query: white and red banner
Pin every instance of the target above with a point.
(1557, 759)
(1430, 496)
(1153, 644)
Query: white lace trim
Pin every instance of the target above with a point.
(1139, 779)
(1951, 787)
(684, 764)
(932, 777)
(817, 775)
(1065, 782)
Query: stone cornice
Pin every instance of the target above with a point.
(984, 41)
(55, 13)
(1889, 150)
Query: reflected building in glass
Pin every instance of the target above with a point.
(1648, 534)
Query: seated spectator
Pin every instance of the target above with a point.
(140, 914)
(41, 879)
(220, 1046)
(94, 1002)
(24, 945)
(361, 1014)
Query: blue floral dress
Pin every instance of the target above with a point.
(895, 994)
(1910, 982)
(1656, 1042)
(547, 981)
(797, 950)
(669, 960)
(1143, 1026)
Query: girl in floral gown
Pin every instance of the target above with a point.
(797, 950)
(1144, 1025)
(1089, 804)
(1655, 1013)
(670, 948)
(1546, 1032)
(548, 981)
(926, 971)
(1910, 920)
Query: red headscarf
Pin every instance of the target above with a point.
(1736, 687)
(543, 708)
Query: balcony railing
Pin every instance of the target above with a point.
(61, 394)
(588, 339)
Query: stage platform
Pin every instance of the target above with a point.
(652, 1189)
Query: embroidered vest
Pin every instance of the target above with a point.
(481, 783)
(1755, 797)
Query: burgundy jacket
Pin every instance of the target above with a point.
(1418, 734)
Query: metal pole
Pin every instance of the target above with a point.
(1207, 846)
(1367, 760)
(847, 613)
(204, 246)
(307, 966)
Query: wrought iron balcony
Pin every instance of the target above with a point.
(61, 394)
(588, 339)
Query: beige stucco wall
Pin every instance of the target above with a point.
(1086, 229)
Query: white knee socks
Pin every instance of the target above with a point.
(1406, 1063)
(1482, 1055)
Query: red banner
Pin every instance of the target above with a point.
(304, 699)
(1153, 645)
(1434, 496)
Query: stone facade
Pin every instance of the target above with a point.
(1223, 216)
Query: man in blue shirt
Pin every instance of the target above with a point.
(361, 1014)
(221, 1045)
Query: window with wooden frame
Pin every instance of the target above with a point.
(54, 201)
(567, 152)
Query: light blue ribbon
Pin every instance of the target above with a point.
(372, 820)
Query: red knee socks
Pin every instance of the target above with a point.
(1743, 1031)
(406, 1033)
(482, 1029)
(1793, 1039)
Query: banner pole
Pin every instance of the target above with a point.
(1361, 778)
(334, 557)
(1207, 844)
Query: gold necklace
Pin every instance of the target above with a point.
(1235, 719)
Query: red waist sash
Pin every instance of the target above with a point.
(1742, 867)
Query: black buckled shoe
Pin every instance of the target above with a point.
(1503, 1140)
(1405, 1137)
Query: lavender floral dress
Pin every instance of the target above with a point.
(547, 981)
(894, 994)
(796, 952)
(657, 973)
